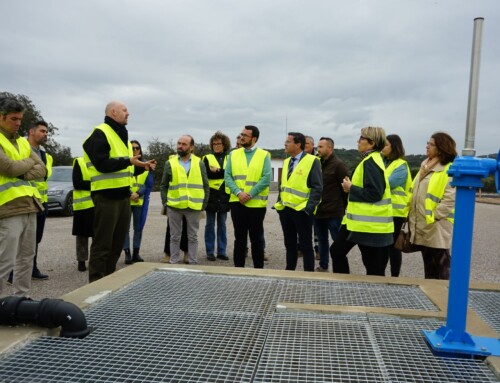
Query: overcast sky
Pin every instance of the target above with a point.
(323, 68)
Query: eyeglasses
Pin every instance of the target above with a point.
(245, 135)
(135, 148)
(363, 138)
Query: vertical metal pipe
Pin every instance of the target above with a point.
(470, 131)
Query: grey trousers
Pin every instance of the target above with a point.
(17, 250)
(193, 223)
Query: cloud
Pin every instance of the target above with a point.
(326, 68)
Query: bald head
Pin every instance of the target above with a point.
(117, 111)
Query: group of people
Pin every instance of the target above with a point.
(317, 198)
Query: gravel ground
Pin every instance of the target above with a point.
(57, 250)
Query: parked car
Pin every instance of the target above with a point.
(60, 193)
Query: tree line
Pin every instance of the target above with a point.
(161, 151)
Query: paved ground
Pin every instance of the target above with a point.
(57, 250)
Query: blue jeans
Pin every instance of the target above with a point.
(322, 227)
(136, 217)
(210, 233)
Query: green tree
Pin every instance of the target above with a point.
(61, 154)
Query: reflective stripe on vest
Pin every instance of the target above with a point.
(294, 192)
(400, 196)
(81, 198)
(186, 191)
(41, 184)
(138, 182)
(368, 217)
(115, 180)
(12, 187)
(246, 176)
(212, 161)
(435, 193)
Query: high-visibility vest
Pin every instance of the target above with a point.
(81, 198)
(435, 193)
(246, 175)
(186, 191)
(369, 217)
(114, 180)
(13, 187)
(41, 184)
(137, 183)
(212, 161)
(400, 196)
(294, 191)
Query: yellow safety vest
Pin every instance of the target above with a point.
(400, 196)
(186, 191)
(41, 184)
(294, 192)
(81, 198)
(435, 193)
(114, 180)
(138, 182)
(13, 187)
(246, 176)
(368, 217)
(212, 161)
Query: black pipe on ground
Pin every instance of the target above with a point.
(50, 313)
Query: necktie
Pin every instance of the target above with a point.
(290, 167)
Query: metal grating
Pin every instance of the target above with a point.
(164, 327)
(355, 294)
(358, 348)
(487, 305)
(192, 327)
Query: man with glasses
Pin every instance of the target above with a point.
(19, 198)
(247, 178)
(110, 160)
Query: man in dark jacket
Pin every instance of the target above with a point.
(111, 168)
(333, 200)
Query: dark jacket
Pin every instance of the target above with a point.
(333, 199)
(98, 148)
(218, 200)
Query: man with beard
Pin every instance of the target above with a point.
(37, 137)
(247, 178)
(111, 165)
(184, 191)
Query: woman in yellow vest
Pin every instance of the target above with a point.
(83, 212)
(141, 186)
(399, 177)
(432, 207)
(218, 200)
(368, 220)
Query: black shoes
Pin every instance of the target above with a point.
(128, 257)
(210, 257)
(81, 266)
(223, 257)
(136, 257)
(37, 274)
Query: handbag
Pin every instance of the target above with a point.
(403, 243)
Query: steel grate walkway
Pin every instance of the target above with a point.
(358, 348)
(192, 327)
(355, 294)
(487, 305)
